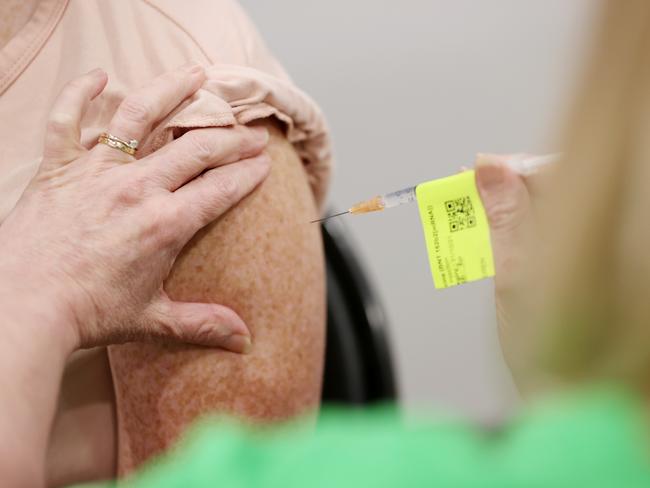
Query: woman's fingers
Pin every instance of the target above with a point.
(147, 212)
(202, 149)
(503, 192)
(152, 102)
(62, 136)
(205, 324)
(210, 195)
(508, 208)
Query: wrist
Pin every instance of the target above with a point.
(36, 344)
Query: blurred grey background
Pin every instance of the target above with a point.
(412, 90)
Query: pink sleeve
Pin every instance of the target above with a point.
(245, 83)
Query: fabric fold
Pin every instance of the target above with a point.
(239, 95)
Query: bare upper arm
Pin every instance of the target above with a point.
(264, 260)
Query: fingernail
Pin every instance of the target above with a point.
(488, 159)
(192, 68)
(489, 175)
(238, 343)
(96, 72)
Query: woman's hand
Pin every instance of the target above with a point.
(508, 199)
(84, 253)
(96, 232)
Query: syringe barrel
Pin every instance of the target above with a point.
(396, 198)
(388, 200)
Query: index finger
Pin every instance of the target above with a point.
(201, 149)
(62, 137)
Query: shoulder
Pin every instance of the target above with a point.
(244, 74)
(222, 30)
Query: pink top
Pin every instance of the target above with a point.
(135, 40)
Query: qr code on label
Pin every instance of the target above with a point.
(460, 214)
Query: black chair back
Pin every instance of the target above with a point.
(358, 364)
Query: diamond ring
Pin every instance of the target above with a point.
(129, 147)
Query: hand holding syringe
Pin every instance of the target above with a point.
(524, 165)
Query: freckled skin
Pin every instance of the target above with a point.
(264, 260)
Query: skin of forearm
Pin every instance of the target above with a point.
(33, 351)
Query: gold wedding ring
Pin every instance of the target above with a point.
(129, 147)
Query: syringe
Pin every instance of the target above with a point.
(522, 164)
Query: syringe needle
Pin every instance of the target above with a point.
(329, 217)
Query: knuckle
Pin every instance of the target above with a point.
(173, 212)
(76, 85)
(246, 140)
(136, 110)
(195, 215)
(171, 217)
(131, 192)
(173, 78)
(202, 146)
(59, 123)
(201, 333)
(167, 328)
(226, 189)
(504, 215)
(163, 225)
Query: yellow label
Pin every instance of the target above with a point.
(456, 230)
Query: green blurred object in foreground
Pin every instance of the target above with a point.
(597, 438)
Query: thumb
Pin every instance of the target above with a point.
(508, 208)
(503, 192)
(204, 324)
